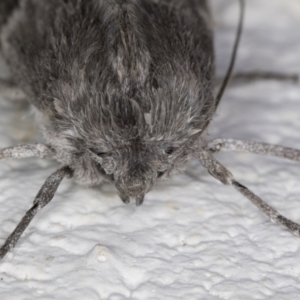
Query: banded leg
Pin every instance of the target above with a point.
(253, 147)
(43, 197)
(217, 170)
(247, 77)
(24, 151)
(252, 76)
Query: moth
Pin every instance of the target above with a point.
(123, 92)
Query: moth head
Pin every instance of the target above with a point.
(131, 140)
(135, 167)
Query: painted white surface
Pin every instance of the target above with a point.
(193, 238)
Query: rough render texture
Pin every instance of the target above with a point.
(193, 238)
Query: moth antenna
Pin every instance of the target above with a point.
(43, 197)
(228, 75)
(217, 170)
(233, 55)
(253, 147)
(25, 151)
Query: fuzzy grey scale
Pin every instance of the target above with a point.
(123, 89)
(123, 92)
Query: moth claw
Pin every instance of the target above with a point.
(125, 199)
(139, 200)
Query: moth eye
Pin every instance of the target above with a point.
(98, 153)
(170, 150)
(101, 153)
(160, 174)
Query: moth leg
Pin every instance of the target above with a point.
(9, 90)
(24, 151)
(217, 170)
(43, 197)
(253, 147)
(248, 77)
(252, 76)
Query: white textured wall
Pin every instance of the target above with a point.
(193, 238)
